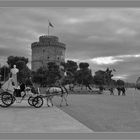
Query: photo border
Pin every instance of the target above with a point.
(78, 3)
(67, 3)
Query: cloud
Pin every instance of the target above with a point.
(105, 60)
(73, 21)
(129, 56)
(127, 69)
(123, 77)
(112, 59)
(126, 32)
(104, 37)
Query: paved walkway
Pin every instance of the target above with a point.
(23, 118)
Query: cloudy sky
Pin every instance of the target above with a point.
(103, 37)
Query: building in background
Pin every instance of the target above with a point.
(48, 49)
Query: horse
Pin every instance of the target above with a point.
(60, 91)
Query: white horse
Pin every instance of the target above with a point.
(56, 91)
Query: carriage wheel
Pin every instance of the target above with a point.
(30, 101)
(37, 102)
(7, 99)
(1, 103)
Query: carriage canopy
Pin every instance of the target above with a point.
(8, 85)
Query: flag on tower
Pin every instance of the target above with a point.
(50, 24)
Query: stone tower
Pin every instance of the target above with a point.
(48, 49)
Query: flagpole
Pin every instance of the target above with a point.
(50, 25)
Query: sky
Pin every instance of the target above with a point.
(103, 37)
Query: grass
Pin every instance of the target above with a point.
(105, 113)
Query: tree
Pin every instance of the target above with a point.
(83, 65)
(120, 83)
(53, 73)
(103, 77)
(108, 76)
(84, 75)
(23, 74)
(70, 67)
(99, 77)
(12, 60)
(4, 72)
(20, 64)
(138, 83)
(40, 76)
(113, 83)
(47, 75)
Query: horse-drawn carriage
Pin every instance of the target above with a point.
(10, 94)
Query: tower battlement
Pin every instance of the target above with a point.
(46, 38)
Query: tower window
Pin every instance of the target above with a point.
(48, 57)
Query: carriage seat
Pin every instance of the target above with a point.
(18, 91)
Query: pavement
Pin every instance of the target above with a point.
(22, 118)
